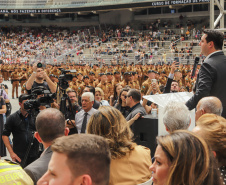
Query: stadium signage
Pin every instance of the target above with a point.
(21, 11)
(178, 2)
(76, 9)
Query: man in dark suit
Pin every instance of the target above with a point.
(50, 124)
(212, 75)
(133, 101)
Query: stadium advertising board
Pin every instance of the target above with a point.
(74, 9)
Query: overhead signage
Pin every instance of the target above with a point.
(74, 9)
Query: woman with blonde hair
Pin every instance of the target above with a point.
(212, 128)
(183, 158)
(99, 96)
(129, 161)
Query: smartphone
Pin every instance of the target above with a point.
(153, 81)
(177, 61)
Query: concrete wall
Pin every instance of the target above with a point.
(118, 17)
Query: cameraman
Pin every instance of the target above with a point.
(22, 126)
(69, 116)
(37, 79)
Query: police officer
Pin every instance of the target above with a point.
(117, 78)
(55, 71)
(73, 83)
(146, 84)
(15, 77)
(83, 84)
(127, 80)
(110, 84)
(23, 79)
(92, 78)
(103, 85)
(79, 83)
(135, 79)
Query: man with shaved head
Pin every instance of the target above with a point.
(210, 104)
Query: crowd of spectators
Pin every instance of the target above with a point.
(106, 100)
(54, 44)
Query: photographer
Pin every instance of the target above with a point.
(69, 116)
(22, 126)
(37, 79)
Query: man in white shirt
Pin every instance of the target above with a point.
(82, 117)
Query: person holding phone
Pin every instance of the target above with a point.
(37, 79)
(146, 84)
(171, 84)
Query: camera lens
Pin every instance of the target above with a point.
(39, 65)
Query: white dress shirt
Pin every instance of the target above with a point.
(80, 116)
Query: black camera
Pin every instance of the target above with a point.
(46, 99)
(64, 78)
(40, 65)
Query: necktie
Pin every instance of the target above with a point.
(83, 130)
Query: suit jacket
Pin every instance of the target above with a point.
(210, 81)
(138, 108)
(96, 104)
(168, 85)
(132, 168)
(39, 167)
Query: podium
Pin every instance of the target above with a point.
(146, 129)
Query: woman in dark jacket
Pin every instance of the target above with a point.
(121, 105)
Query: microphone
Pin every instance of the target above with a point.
(194, 67)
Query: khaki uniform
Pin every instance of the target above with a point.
(4, 72)
(180, 82)
(92, 83)
(136, 84)
(115, 81)
(9, 70)
(111, 89)
(96, 83)
(55, 72)
(162, 80)
(73, 85)
(145, 86)
(105, 88)
(130, 83)
(15, 82)
(80, 87)
(23, 79)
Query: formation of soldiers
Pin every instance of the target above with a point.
(106, 77)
